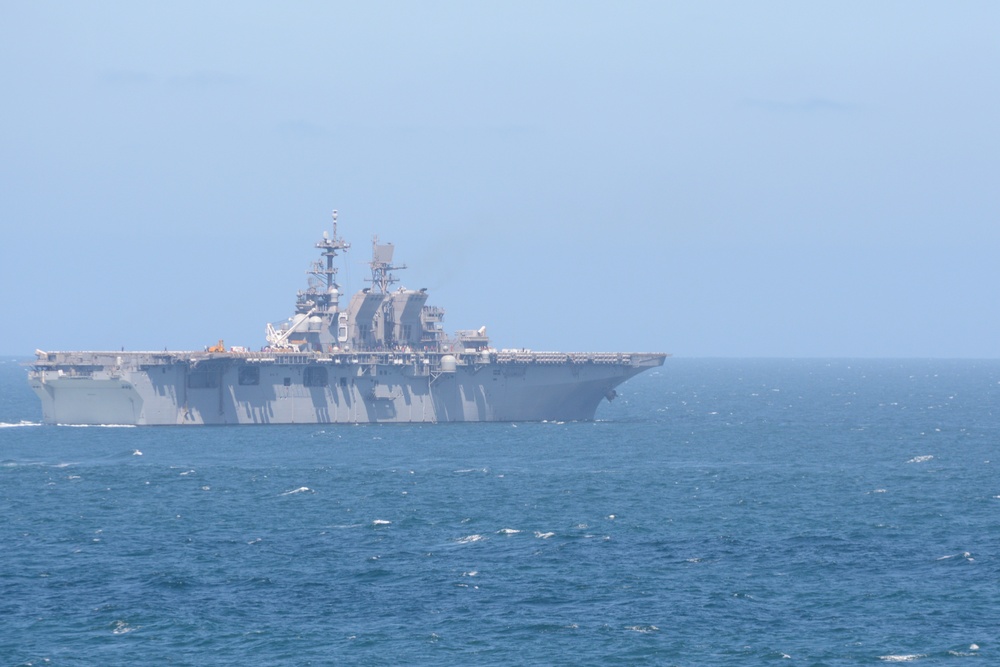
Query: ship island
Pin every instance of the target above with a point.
(385, 358)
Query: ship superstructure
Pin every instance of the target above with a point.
(383, 358)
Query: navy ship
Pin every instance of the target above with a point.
(383, 358)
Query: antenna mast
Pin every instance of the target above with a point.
(330, 247)
(327, 274)
(382, 265)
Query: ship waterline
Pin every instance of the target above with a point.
(385, 358)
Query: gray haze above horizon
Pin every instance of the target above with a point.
(772, 179)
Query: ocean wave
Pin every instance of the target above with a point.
(543, 536)
(301, 489)
(470, 538)
(965, 555)
(13, 463)
(965, 654)
(121, 628)
(18, 424)
(508, 531)
(644, 629)
(909, 657)
(920, 459)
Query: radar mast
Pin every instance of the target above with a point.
(327, 275)
(382, 265)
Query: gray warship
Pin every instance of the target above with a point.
(385, 358)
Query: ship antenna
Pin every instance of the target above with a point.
(382, 266)
(330, 246)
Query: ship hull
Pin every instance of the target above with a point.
(196, 388)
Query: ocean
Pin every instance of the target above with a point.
(719, 512)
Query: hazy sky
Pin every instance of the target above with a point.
(700, 178)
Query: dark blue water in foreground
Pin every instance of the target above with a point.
(720, 513)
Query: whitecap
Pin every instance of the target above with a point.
(121, 628)
(645, 629)
(543, 536)
(19, 424)
(301, 489)
(470, 573)
(901, 658)
(136, 452)
(508, 531)
(381, 522)
(920, 459)
(187, 472)
(470, 538)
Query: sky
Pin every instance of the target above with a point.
(707, 179)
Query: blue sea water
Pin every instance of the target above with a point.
(720, 512)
